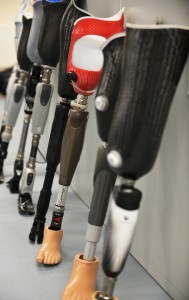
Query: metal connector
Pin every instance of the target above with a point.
(23, 77)
(46, 75)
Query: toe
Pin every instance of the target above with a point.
(47, 259)
(57, 259)
(40, 257)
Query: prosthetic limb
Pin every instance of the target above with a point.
(84, 82)
(53, 11)
(104, 178)
(66, 93)
(43, 95)
(73, 140)
(34, 79)
(39, 35)
(17, 94)
(153, 62)
(49, 36)
(13, 77)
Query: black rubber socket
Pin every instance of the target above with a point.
(127, 198)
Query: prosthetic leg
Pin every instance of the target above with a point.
(17, 93)
(39, 97)
(49, 36)
(13, 77)
(104, 177)
(153, 62)
(86, 265)
(45, 34)
(53, 12)
(66, 92)
(34, 80)
(84, 75)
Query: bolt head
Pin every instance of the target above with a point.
(114, 159)
(101, 103)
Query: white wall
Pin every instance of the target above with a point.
(161, 241)
(8, 10)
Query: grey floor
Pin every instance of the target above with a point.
(21, 278)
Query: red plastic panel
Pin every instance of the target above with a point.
(87, 81)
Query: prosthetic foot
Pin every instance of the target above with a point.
(82, 282)
(25, 205)
(37, 230)
(50, 251)
(13, 183)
